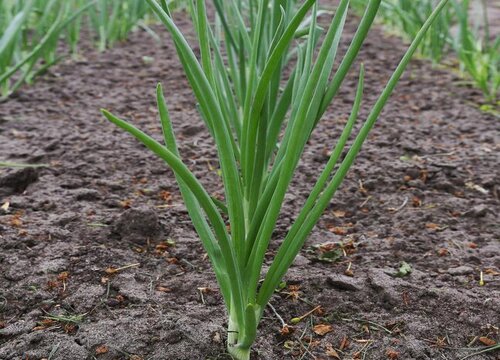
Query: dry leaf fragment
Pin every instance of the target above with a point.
(442, 252)
(339, 213)
(166, 196)
(423, 175)
(69, 328)
(217, 338)
(322, 329)
(287, 330)
(160, 249)
(319, 311)
(487, 341)
(338, 230)
(126, 204)
(163, 289)
(392, 354)
(349, 272)
(344, 343)
(432, 226)
(5, 206)
(44, 324)
(172, 260)
(103, 349)
(472, 186)
(52, 284)
(111, 270)
(15, 220)
(331, 352)
(491, 272)
(63, 276)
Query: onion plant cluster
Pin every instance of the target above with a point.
(29, 36)
(479, 56)
(31, 32)
(265, 76)
(455, 31)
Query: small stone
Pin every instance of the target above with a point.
(112, 203)
(300, 261)
(87, 195)
(461, 270)
(477, 211)
(111, 302)
(342, 282)
(66, 218)
(16, 181)
(416, 183)
(191, 130)
(444, 185)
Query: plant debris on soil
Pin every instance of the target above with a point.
(99, 259)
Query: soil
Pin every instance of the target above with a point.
(99, 259)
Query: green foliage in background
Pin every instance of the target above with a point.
(31, 32)
(455, 32)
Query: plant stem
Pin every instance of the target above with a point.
(235, 335)
(238, 353)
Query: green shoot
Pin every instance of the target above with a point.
(31, 31)
(478, 54)
(261, 120)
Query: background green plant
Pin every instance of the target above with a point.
(261, 118)
(32, 31)
(454, 33)
(479, 56)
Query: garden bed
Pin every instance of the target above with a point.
(99, 259)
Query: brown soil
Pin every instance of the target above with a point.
(424, 191)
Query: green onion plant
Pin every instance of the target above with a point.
(478, 54)
(31, 32)
(479, 57)
(265, 76)
(28, 44)
(113, 20)
(406, 17)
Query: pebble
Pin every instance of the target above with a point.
(300, 261)
(17, 181)
(461, 270)
(477, 211)
(342, 282)
(87, 195)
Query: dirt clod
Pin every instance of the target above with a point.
(138, 225)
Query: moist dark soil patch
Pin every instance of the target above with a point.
(99, 259)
